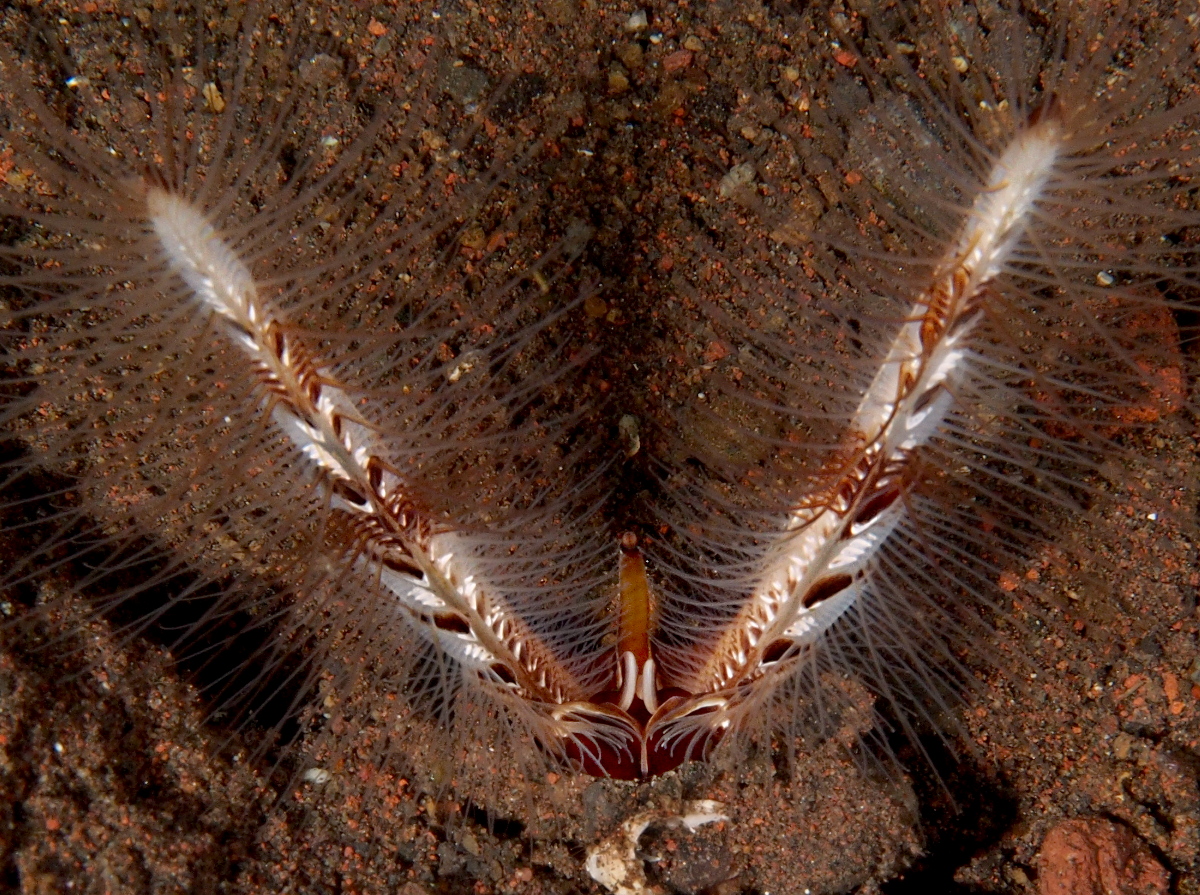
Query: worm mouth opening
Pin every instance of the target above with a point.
(604, 740)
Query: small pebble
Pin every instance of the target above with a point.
(595, 307)
(618, 81)
(1089, 856)
(737, 178)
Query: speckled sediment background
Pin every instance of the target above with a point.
(114, 776)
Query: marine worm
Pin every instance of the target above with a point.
(322, 368)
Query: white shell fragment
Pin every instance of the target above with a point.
(614, 863)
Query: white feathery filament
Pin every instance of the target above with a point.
(822, 569)
(321, 420)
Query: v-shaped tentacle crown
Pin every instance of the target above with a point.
(988, 341)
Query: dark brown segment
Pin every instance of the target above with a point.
(399, 565)
(349, 493)
(503, 672)
(776, 651)
(871, 508)
(452, 623)
(826, 588)
(924, 399)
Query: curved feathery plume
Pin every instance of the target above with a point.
(271, 396)
(1005, 324)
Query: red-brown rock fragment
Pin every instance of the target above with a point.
(1094, 856)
